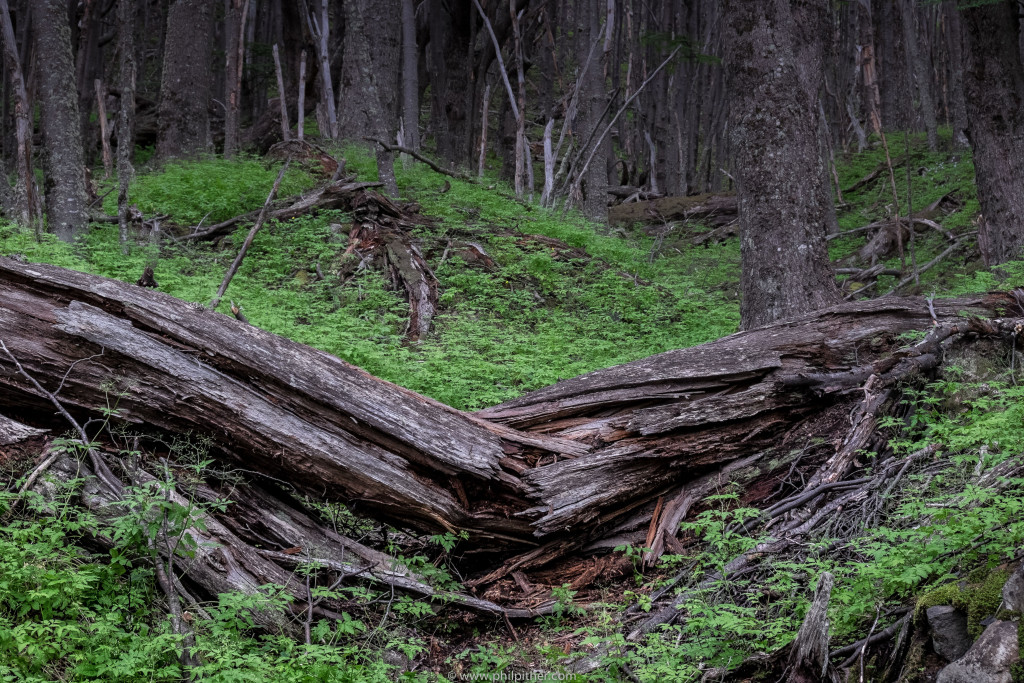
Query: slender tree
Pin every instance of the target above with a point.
(63, 159)
(994, 88)
(410, 77)
(234, 29)
(920, 63)
(773, 61)
(24, 194)
(183, 118)
(126, 113)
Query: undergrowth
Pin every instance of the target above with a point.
(542, 314)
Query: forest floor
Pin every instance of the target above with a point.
(528, 297)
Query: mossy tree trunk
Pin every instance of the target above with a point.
(774, 68)
(63, 162)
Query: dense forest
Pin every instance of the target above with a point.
(441, 340)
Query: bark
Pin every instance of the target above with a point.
(564, 464)
(714, 210)
(101, 109)
(449, 74)
(234, 28)
(994, 89)
(25, 195)
(370, 79)
(183, 112)
(593, 104)
(126, 112)
(63, 158)
(954, 46)
(920, 63)
(281, 96)
(410, 77)
(773, 62)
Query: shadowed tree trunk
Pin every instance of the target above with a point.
(63, 162)
(410, 77)
(994, 89)
(126, 114)
(234, 28)
(368, 96)
(920, 63)
(774, 67)
(24, 194)
(450, 74)
(593, 101)
(183, 117)
(954, 46)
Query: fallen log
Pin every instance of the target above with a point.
(713, 210)
(541, 475)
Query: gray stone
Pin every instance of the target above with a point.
(1013, 591)
(989, 660)
(949, 632)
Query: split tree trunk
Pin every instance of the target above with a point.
(563, 466)
(63, 159)
(774, 66)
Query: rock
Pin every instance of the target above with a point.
(989, 659)
(1013, 591)
(949, 632)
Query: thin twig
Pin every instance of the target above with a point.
(249, 238)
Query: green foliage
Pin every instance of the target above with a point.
(213, 189)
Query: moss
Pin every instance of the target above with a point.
(979, 596)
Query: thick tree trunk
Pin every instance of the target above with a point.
(994, 89)
(183, 113)
(450, 74)
(773, 62)
(63, 159)
(370, 65)
(954, 47)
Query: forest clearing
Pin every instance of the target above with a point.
(529, 340)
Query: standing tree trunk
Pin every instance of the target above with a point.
(994, 89)
(773, 64)
(183, 118)
(369, 78)
(126, 114)
(410, 77)
(25, 200)
(450, 76)
(320, 28)
(63, 159)
(920, 63)
(954, 47)
(593, 103)
(234, 27)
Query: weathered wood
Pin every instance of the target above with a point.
(12, 432)
(566, 464)
(711, 209)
